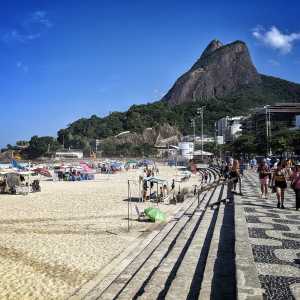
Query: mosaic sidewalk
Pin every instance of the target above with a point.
(274, 235)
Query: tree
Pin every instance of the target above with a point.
(244, 144)
(285, 141)
(42, 146)
(22, 143)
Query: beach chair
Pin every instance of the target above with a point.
(141, 215)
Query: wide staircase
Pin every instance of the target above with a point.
(202, 253)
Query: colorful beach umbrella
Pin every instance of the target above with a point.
(43, 171)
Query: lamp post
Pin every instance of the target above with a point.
(268, 129)
(193, 124)
(200, 112)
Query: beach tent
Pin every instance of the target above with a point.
(116, 165)
(157, 181)
(204, 153)
(16, 165)
(132, 161)
(146, 162)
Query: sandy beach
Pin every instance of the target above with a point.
(52, 242)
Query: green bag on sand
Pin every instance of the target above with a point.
(155, 214)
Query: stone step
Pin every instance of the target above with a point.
(96, 286)
(133, 277)
(158, 286)
(189, 276)
(219, 275)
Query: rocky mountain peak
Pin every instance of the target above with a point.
(212, 46)
(221, 70)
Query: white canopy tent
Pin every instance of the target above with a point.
(204, 153)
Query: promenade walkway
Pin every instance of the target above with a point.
(274, 235)
(246, 249)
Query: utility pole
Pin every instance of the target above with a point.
(193, 124)
(200, 111)
(268, 129)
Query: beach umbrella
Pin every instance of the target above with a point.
(43, 171)
(155, 214)
(132, 161)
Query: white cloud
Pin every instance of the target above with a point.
(23, 67)
(15, 35)
(38, 17)
(30, 28)
(275, 39)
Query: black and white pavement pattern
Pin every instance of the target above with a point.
(274, 235)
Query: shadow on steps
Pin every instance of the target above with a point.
(224, 278)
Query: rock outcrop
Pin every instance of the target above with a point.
(151, 136)
(221, 70)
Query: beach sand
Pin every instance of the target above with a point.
(52, 242)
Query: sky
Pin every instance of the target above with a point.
(61, 60)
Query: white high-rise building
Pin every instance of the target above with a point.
(228, 129)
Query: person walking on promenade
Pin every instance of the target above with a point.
(242, 168)
(234, 175)
(263, 174)
(279, 181)
(253, 163)
(295, 184)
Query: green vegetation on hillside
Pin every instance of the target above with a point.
(82, 133)
(138, 117)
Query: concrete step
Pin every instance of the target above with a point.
(133, 277)
(189, 276)
(219, 275)
(186, 245)
(92, 289)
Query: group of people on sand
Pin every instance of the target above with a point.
(277, 179)
(151, 171)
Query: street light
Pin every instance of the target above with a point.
(200, 112)
(268, 129)
(193, 124)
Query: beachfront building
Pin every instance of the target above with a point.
(167, 147)
(186, 150)
(69, 154)
(277, 116)
(228, 129)
(198, 139)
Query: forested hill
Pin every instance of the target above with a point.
(270, 90)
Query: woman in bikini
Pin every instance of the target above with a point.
(263, 174)
(279, 181)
